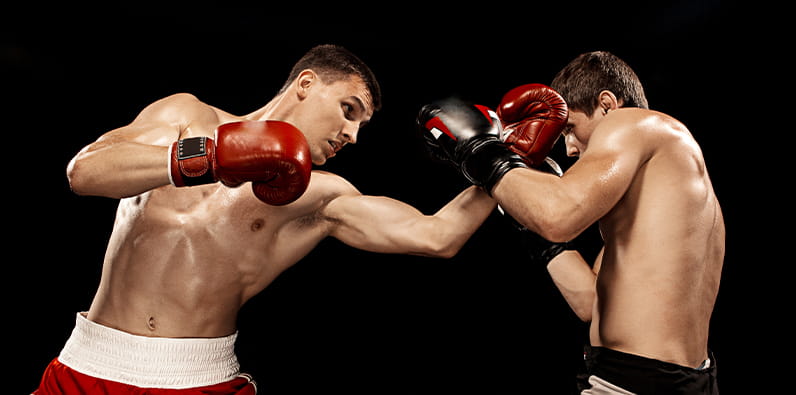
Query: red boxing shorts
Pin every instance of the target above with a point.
(101, 360)
(60, 379)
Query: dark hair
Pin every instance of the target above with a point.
(581, 81)
(334, 63)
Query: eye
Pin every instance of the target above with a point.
(567, 129)
(348, 111)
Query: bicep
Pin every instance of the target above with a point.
(158, 124)
(604, 173)
(376, 223)
(131, 159)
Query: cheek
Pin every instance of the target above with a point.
(323, 121)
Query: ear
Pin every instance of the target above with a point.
(608, 101)
(304, 82)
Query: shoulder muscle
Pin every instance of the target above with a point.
(163, 121)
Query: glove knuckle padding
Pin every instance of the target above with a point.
(448, 124)
(533, 117)
(273, 154)
(469, 136)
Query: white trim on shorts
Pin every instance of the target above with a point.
(601, 386)
(149, 362)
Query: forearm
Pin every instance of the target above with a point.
(454, 223)
(118, 170)
(385, 225)
(576, 281)
(541, 203)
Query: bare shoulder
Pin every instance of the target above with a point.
(324, 188)
(639, 130)
(312, 208)
(179, 109)
(330, 186)
(652, 123)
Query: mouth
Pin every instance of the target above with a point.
(335, 146)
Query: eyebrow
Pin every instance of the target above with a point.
(359, 103)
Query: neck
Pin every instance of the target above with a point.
(276, 110)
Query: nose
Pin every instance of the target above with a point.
(349, 133)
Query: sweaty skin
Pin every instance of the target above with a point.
(182, 261)
(642, 176)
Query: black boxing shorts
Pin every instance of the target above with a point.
(614, 372)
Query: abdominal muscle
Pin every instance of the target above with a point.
(182, 265)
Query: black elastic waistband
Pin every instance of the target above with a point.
(642, 375)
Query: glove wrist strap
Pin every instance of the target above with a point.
(488, 161)
(192, 162)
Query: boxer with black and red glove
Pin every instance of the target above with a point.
(273, 155)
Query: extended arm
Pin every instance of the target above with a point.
(385, 225)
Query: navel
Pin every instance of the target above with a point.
(151, 323)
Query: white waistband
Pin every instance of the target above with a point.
(149, 362)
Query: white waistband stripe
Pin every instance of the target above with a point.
(149, 362)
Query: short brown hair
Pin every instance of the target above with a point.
(334, 63)
(581, 81)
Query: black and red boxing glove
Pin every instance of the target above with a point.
(273, 155)
(533, 116)
(468, 136)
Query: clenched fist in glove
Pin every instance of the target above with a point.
(533, 117)
(273, 155)
(469, 137)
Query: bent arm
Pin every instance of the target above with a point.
(560, 208)
(576, 281)
(133, 159)
(381, 224)
(118, 168)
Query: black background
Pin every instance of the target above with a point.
(345, 320)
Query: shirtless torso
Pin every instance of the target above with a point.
(182, 261)
(641, 175)
(664, 249)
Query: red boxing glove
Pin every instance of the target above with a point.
(533, 117)
(273, 155)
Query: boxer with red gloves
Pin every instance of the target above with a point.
(273, 155)
(187, 251)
